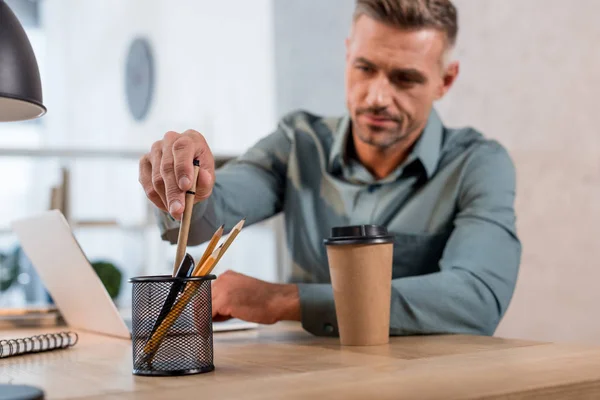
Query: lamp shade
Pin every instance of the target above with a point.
(20, 85)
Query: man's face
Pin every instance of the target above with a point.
(393, 76)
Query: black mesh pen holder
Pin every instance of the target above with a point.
(171, 325)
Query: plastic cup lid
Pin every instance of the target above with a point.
(359, 234)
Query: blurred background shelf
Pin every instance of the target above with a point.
(71, 153)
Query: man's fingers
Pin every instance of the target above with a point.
(221, 318)
(218, 313)
(157, 180)
(183, 153)
(204, 185)
(145, 179)
(202, 153)
(167, 172)
(221, 309)
(175, 197)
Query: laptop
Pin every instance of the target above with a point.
(76, 289)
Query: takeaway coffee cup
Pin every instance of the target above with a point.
(360, 264)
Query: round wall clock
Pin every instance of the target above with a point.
(139, 78)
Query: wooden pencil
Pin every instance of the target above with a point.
(184, 227)
(232, 235)
(209, 249)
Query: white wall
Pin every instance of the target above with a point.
(214, 73)
(214, 69)
(530, 79)
(310, 54)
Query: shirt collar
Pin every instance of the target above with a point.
(340, 141)
(427, 148)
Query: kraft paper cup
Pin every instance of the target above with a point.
(360, 264)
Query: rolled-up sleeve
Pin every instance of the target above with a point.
(251, 186)
(479, 266)
(318, 309)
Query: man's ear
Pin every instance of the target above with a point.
(450, 75)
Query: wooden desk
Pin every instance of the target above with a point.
(282, 361)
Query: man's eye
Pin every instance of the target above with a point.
(405, 82)
(364, 68)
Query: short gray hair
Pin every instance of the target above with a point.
(413, 14)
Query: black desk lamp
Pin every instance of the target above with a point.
(20, 100)
(20, 85)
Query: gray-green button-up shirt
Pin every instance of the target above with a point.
(450, 206)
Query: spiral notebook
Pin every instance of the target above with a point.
(37, 344)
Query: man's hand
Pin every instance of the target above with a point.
(166, 172)
(235, 295)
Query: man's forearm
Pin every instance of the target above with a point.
(240, 191)
(444, 302)
(286, 302)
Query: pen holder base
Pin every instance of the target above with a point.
(172, 331)
(143, 372)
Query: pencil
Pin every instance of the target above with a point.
(209, 249)
(184, 227)
(232, 235)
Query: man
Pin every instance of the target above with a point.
(446, 194)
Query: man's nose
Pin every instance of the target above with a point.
(379, 93)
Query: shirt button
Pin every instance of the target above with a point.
(373, 188)
(328, 328)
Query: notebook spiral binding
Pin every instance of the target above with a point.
(37, 344)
